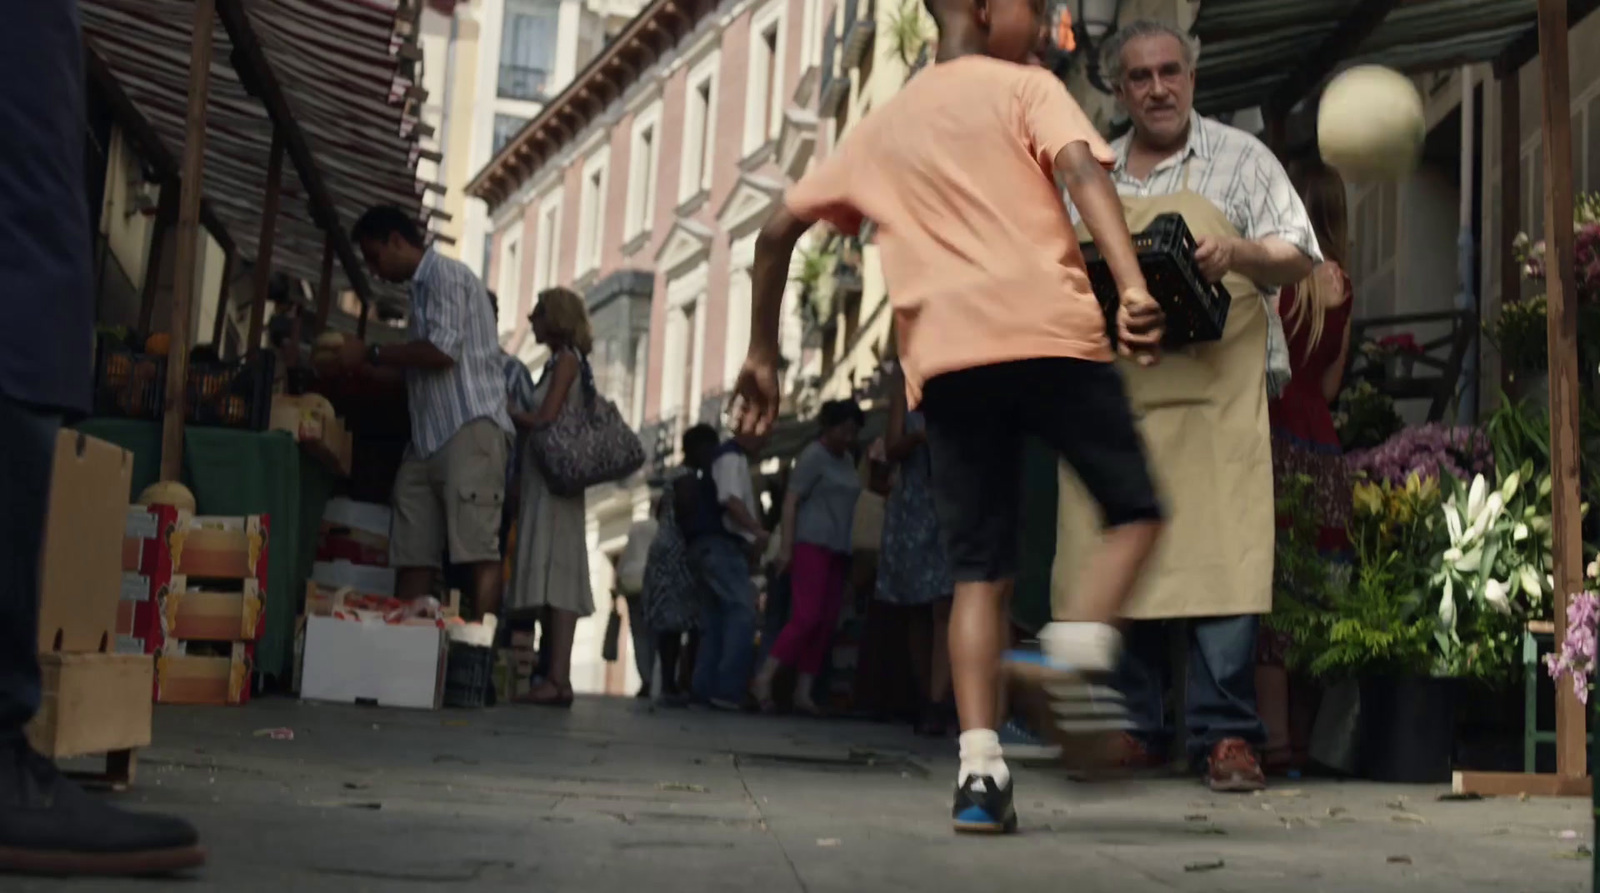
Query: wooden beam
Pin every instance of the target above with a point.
(361, 323)
(1561, 293)
(223, 295)
(248, 51)
(1522, 50)
(1353, 30)
(1510, 190)
(325, 287)
(166, 216)
(264, 245)
(1517, 784)
(183, 274)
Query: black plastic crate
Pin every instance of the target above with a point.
(1197, 310)
(468, 675)
(132, 385)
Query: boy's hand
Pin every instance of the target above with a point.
(1140, 325)
(755, 396)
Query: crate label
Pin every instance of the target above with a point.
(130, 645)
(142, 524)
(135, 587)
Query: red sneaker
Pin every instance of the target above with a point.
(1233, 768)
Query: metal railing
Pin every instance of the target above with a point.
(522, 82)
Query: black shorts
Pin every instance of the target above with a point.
(977, 421)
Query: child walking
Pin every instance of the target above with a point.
(1000, 336)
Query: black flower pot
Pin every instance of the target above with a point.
(1408, 728)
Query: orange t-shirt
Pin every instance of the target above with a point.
(957, 171)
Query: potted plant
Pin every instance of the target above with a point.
(1364, 417)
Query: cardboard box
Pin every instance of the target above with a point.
(79, 577)
(356, 532)
(313, 423)
(189, 679)
(362, 578)
(390, 665)
(92, 704)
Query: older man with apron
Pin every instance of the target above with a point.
(1203, 413)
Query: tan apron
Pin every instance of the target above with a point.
(1203, 414)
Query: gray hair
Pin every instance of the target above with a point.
(1111, 49)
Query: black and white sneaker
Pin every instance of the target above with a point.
(983, 807)
(1080, 712)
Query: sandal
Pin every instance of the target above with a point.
(548, 695)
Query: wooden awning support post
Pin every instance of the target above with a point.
(325, 287)
(1561, 293)
(361, 324)
(166, 216)
(1510, 189)
(269, 231)
(183, 278)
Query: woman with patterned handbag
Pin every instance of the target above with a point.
(551, 578)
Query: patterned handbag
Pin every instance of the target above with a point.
(588, 443)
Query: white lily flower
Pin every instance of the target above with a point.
(1520, 532)
(1475, 496)
(1469, 562)
(1452, 555)
(1497, 595)
(1452, 520)
(1488, 513)
(1447, 605)
(1509, 488)
(1593, 570)
(1530, 580)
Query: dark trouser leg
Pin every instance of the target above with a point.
(644, 641)
(1142, 679)
(1222, 683)
(25, 463)
(669, 646)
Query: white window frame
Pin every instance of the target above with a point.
(592, 210)
(547, 248)
(644, 173)
(811, 35)
(684, 345)
(741, 298)
(508, 282)
(764, 98)
(699, 142)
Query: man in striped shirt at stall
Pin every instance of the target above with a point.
(451, 484)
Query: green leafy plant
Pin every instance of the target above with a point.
(1520, 336)
(1364, 417)
(811, 268)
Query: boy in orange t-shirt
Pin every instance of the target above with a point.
(1000, 336)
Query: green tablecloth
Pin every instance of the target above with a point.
(245, 473)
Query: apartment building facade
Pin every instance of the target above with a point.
(642, 187)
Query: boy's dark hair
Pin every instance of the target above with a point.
(382, 221)
(836, 412)
(699, 438)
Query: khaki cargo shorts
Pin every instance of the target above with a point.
(453, 498)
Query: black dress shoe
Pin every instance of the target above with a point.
(50, 826)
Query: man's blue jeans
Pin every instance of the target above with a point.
(1220, 700)
(25, 465)
(727, 619)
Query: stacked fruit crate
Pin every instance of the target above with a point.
(194, 595)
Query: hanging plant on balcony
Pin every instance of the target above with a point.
(811, 268)
(908, 33)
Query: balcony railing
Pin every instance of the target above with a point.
(522, 82)
(860, 27)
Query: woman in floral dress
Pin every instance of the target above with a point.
(671, 599)
(912, 569)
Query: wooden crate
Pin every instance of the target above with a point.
(95, 704)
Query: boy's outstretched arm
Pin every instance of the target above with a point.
(1139, 317)
(757, 388)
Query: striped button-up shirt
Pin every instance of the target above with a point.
(450, 310)
(1237, 172)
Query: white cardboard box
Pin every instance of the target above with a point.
(377, 663)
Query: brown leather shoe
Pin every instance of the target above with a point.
(1233, 768)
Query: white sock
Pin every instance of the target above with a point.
(1093, 647)
(980, 755)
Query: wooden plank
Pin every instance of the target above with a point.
(325, 288)
(1517, 784)
(1510, 192)
(1561, 294)
(166, 216)
(1352, 31)
(269, 231)
(183, 280)
(224, 296)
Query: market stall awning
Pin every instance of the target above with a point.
(1274, 53)
(336, 70)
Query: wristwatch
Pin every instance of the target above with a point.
(372, 354)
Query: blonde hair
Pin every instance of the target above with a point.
(567, 318)
(1322, 190)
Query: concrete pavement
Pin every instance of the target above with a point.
(614, 796)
